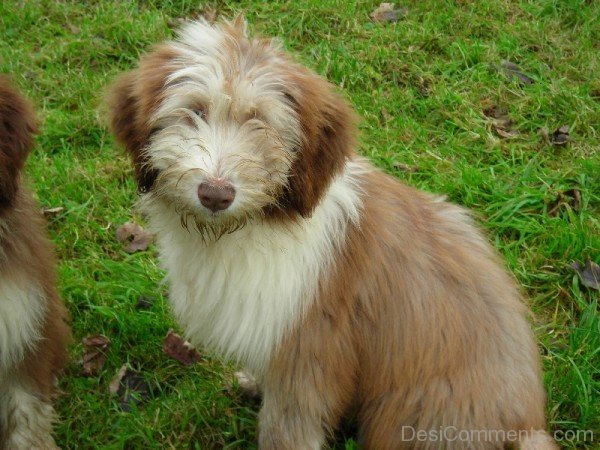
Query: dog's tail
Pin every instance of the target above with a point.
(538, 440)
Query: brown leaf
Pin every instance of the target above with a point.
(500, 121)
(138, 239)
(505, 133)
(94, 354)
(181, 350)
(405, 167)
(113, 386)
(386, 13)
(589, 274)
(569, 198)
(52, 212)
(495, 112)
(560, 136)
(131, 387)
(512, 70)
(145, 302)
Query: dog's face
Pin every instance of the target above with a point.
(17, 126)
(224, 127)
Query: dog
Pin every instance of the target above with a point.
(342, 291)
(33, 329)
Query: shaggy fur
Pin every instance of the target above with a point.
(33, 333)
(343, 291)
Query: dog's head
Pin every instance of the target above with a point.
(225, 127)
(17, 126)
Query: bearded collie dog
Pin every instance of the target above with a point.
(33, 331)
(342, 291)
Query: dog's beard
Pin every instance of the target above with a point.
(170, 190)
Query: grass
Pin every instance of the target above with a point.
(421, 86)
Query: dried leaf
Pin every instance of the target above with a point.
(405, 167)
(495, 112)
(181, 350)
(512, 70)
(560, 136)
(114, 384)
(94, 355)
(569, 198)
(504, 133)
(131, 387)
(589, 274)
(386, 13)
(145, 302)
(138, 239)
(52, 212)
(500, 121)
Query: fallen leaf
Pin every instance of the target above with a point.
(495, 112)
(52, 212)
(181, 350)
(138, 239)
(504, 133)
(405, 167)
(144, 302)
(512, 70)
(131, 387)
(94, 354)
(386, 13)
(113, 386)
(501, 122)
(560, 136)
(589, 274)
(74, 28)
(570, 198)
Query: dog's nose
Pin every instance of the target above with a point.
(216, 196)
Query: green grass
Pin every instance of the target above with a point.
(421, 86)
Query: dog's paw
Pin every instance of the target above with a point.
(248, 384)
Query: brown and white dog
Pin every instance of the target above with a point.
(343, 291)
(33, 332)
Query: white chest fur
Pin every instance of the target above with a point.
(21, 311)
(239, 295)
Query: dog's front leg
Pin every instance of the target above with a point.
(308, 386)
(290, 424)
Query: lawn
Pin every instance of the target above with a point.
(439, 111)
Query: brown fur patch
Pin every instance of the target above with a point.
(17, 126)
(328, 137)
(131, 101)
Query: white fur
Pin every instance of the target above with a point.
(21, 311)
(27, 418)
(240, 294)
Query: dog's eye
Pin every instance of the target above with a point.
(200, 112)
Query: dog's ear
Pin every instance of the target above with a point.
(328, 138)
(132, 100)
(124, 109)
(17, 127)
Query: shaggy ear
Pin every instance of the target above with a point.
(126, 124)
(17, 127)
(328, 139)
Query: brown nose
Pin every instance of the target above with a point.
(216, 197)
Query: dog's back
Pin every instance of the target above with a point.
(33, 332)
